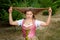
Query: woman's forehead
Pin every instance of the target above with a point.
(29, 12)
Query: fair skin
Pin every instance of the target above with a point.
(29, 18)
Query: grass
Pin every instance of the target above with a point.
(52, 32)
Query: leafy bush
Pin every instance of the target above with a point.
(5, 4)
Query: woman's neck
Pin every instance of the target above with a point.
(29, 19)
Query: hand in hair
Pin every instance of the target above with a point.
(50, 10)
(10, 10)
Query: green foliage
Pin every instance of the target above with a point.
(16, 15)
(50, 3)
(5, 4)
(4, 15)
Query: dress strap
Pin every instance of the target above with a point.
(23, 22)
(34, 23)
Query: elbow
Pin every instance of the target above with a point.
(47, 24)
(10, 23)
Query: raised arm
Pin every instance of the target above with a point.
(49, 18)
(10, 17)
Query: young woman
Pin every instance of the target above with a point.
(29, 24)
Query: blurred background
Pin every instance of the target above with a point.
(9, 32)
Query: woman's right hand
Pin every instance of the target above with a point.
(10, 10)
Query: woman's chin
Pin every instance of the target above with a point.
(29, 18)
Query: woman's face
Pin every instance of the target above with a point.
(29, 14)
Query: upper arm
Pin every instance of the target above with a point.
(40, 23)
(17, 22)
(14, 23)
(43, 23)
